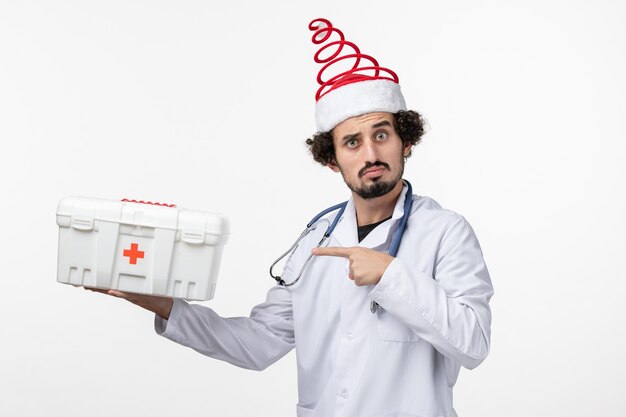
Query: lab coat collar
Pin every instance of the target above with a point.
(346, 230)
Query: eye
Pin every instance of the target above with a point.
(352, 143)
(381, 136)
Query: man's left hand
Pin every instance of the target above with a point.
(367, 266)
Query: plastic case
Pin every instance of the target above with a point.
(140, 247)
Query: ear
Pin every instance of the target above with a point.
(332, 165)
(407, 149)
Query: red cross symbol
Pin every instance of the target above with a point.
(133, 253)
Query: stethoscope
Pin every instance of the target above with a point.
(312, 225)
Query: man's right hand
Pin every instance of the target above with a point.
(162, 306)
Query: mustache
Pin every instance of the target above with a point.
(369, 165)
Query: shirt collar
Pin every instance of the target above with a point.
(346, 231)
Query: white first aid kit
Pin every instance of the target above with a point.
(140, 247)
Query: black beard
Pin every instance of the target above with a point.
(379, 187)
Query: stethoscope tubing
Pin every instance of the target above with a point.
(393, 249)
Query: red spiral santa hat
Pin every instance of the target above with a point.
(351, 83)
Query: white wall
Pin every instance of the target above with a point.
(207, 105)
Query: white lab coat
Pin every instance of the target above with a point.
(402, 360)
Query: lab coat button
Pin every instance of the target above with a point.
(349, 336)
(344, 394)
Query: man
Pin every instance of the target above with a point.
(375, 334)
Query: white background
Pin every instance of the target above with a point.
(207, 105)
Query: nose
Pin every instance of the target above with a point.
(370, 153)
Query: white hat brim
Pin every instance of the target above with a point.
(356, 99)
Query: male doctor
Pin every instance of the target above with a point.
(375, 335)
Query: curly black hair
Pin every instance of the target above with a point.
(408, 123)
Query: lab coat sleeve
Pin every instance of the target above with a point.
(449, 310)
(253, 342)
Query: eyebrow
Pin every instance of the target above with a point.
(353, 136)
(350, 137)
(381, 123)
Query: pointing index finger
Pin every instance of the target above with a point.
(333, 251)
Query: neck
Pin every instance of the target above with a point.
(373, 210)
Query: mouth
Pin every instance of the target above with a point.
(374, 172)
